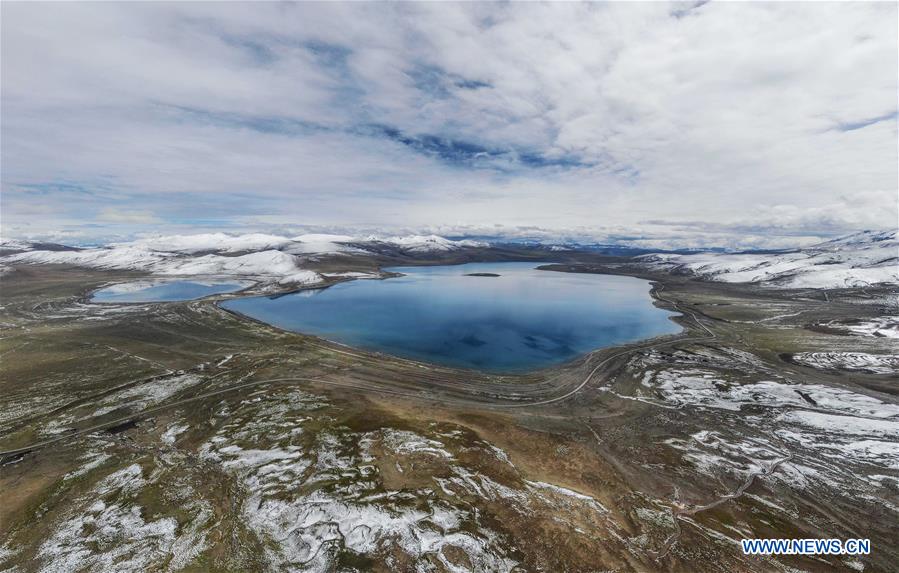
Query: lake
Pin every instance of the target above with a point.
(521, 320)
(164, 291)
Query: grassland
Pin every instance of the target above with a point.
(179, 436)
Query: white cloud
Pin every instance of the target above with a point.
(113, 215)
(599, 116)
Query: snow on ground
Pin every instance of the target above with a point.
(564, 493)
(260, 263)
(208, 242)
(860, 361)
(102, 258)
(856, 260)
(704, 388)
(304, 503)
(263, 265)
(309, 243)
(427, 243)
(837, 437)
(692, 387)
(268, 258)
(319, 244)
(404, 442)
(300, 278)
(882, 327)
(12, 244)
(107, 531)
(172, 432)
(153, 392)
(92, 460)
(132, 541)
(314, 491)
(843, 438)
(720, 357)
(846, 425)
(21, 405)
(145, 394)
(712, 453)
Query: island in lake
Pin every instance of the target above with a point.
(482, 275)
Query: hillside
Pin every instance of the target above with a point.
(855, 260)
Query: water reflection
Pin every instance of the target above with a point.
(162, 291)
(521, 320)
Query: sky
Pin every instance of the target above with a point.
(687, 124)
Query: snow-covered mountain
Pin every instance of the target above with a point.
(859, 259)
(13, 245)
(270, 258)
(269, 265)
(854, 260)
(208, 242)
(425, 243)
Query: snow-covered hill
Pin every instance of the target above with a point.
(208, 242)
(427, 243)
(269, 266)
(859, 259)
(13, 245)
(270, 258)
(854, 260)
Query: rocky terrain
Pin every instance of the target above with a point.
(180, 437)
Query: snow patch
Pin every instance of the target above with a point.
(883, 327)
(405, 442)
(172, 432)
(857, 260)
(207, 242)
(428, 243)
(858, 361)
(703, 388)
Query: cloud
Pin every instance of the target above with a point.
(724, 118)
(113, 215)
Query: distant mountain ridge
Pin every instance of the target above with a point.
(857, 259)
(268, 258)
(854, 260)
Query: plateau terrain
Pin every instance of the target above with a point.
(180, 436)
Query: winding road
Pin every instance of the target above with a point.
(678, 512)
(12, 453)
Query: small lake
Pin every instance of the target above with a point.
(164, 291)
(521, 320)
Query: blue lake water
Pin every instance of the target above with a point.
(522, 320)
(154, 291)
